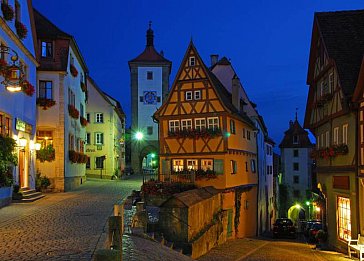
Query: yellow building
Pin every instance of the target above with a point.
(205, 137)
(105, 133)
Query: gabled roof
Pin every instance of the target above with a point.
(295, 129)
(343, 37)
(150, 55)
(190, 197)
(47, 30)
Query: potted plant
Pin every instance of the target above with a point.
(28, 88)
(8, 11)
(45, 103)
(83, 121)
(74, 113)
(46, 154)
(21, 30)
(41, 182)
(73, 70)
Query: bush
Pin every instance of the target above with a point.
(41, 182)
(7, 160)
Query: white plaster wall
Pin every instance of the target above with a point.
(146, 111)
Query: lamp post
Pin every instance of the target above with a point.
(139, 137)
(13, 74)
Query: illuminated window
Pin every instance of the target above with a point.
(207, 164)
(200, 124)
(45, 138)
(336, 135)
(173, 125)
(177, 165)
(213, 123)
(186, 124)
(343, 215)
(192, 164)
(345, 134)
(192, 61)
(232, 127)
(188, 96)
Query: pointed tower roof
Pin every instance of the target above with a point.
(302, 140)
(150, 54)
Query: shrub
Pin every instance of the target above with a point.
(7, 160)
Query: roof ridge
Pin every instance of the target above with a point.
(50, 22)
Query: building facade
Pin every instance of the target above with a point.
(333, 117)
(105, 134)
(204, 135)
(149, 74)
(18, 110)
(61, 106)
(296, 149)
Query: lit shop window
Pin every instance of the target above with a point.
(177, 165)
(343, 214)
(207, 164)
(192, 164)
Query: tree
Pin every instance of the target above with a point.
(7, 160)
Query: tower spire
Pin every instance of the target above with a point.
(150, 35)
(296, 113)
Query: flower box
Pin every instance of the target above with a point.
(83, 86)
(46, 154)
(330, 152)
(8, 11)
(83, 121)
(77, 157)
(45, 103)
(28, 88)
(196, 134)
(73, 70)
(21, 30)
(74, 113)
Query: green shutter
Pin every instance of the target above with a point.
(219, 166)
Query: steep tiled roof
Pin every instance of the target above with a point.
(46, 29)
(150, 55)
(295, 129)
(343, 36)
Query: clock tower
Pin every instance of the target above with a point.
(149, 82)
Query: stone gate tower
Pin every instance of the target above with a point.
(149, 78)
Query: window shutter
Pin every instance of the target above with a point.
(219, 166)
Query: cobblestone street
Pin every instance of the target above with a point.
(61, 226)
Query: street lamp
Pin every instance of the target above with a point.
(13, 74)
(139, 135)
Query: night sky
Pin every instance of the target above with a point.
(267, 41)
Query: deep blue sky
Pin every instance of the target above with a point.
(267, 41)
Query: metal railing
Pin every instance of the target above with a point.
(180, 177)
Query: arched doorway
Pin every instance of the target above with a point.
(149, 160)
(296, 213)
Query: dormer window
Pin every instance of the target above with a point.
(47, 49)
(192, 61)
(295, 139)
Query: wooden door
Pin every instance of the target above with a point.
(21, 168)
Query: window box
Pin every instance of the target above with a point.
(73, 70)
(77, 157)
(195, 133)
(83, 87)
(46, 154)
(45, 103)
(83, 121)
(330, 152)
(28, 88)
(8, 11)
(21, 30)
(74, 113)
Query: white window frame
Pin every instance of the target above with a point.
(88, 138)
(336, 136)
(197, 95)
(233, 166)
(98, 136)
(192, 61)
(173, 125)
(213, 123)
(345, 134)
(99, 117)
(188, 96)
(192, 164)
(200, 123)
(344, 218)
(178, 164)
(327, 139)
(207, 164)
(186, 124)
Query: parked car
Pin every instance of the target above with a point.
(128, 171)
(284, 227)
(313, 231)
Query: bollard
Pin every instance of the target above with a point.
(115, 234)
(119, 211)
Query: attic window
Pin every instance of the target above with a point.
(295, 139)
(192, 61)
(47, 49)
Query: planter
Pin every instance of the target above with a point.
(83, 121)
(45, 103)
(5, 196)
(74, 113)
(83, 86)
(28, 88)
(8, 11)
(73, 70)
(21, 30)
(46, 154)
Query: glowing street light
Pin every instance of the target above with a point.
(139, 135)
(298, 206)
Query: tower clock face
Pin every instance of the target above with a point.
(150, 97)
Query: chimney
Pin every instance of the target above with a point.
(235, 94)
(214, 59)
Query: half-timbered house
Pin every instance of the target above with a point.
(206, 136)
(335, 58)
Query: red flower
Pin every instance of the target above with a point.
(74, 113)
(21, 30)
(83, 121)
(73, 70)
(45, 103)
(28, 88)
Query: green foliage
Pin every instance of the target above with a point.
(41, 182)
(7, 160)
(238, 193)
(46, 153)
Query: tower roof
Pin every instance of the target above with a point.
(295, 137)
(150, 54)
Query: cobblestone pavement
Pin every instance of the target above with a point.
(61, 226)
(249, 249)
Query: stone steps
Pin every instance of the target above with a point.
(29, 195)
